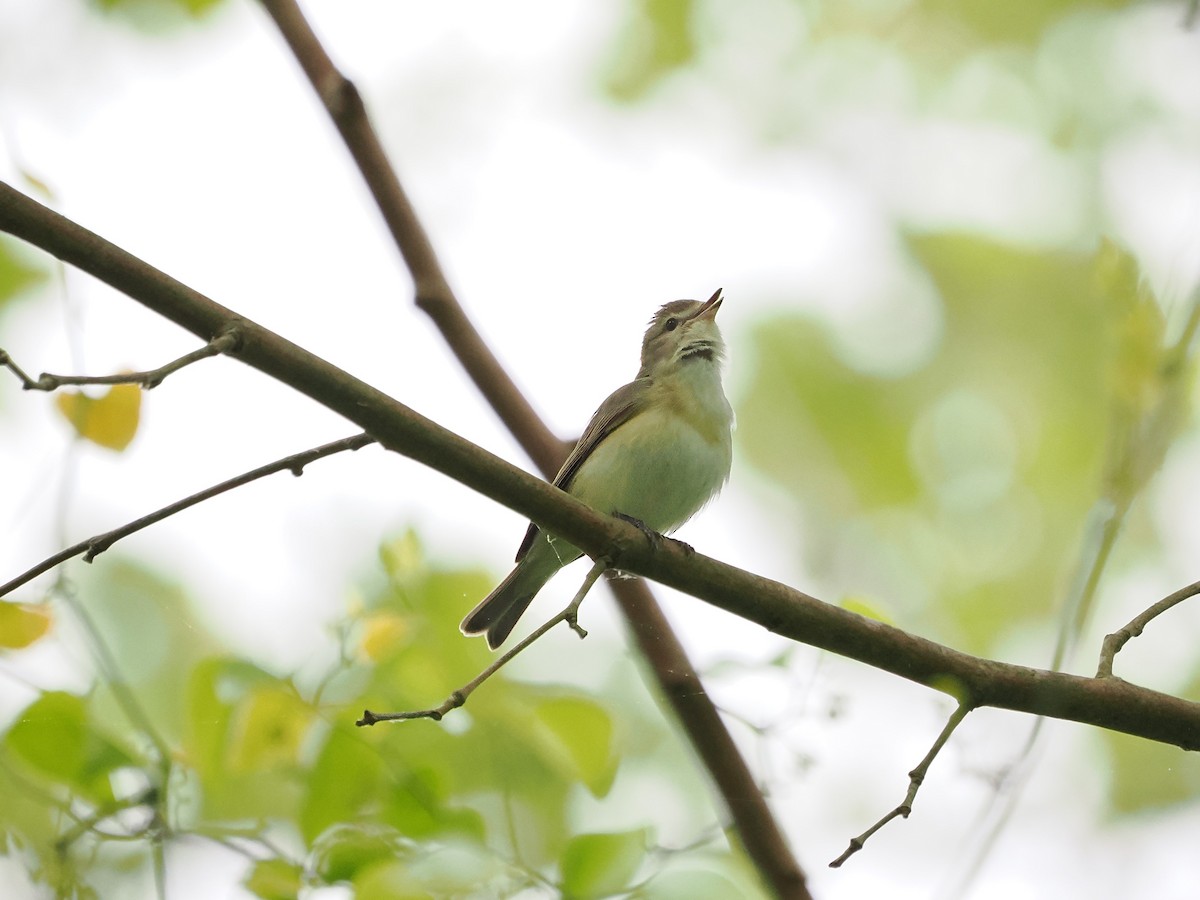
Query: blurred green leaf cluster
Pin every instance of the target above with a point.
(661, 37)
(962, 485)
(178, 737)
(960, 493)
(156, 15)
(18, 271)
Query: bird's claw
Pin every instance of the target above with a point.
(653, 537)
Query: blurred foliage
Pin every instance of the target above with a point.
(179, 738)
(659, 38)
(656, 40)
(18, 271)
(961, 492)
(22, 623)
(964, 482)
(156, 15)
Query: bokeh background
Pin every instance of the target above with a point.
(960, 244)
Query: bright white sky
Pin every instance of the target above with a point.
(563, 223)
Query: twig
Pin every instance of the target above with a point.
(673, 671)
(83, 825)
(92, 547)
(570, 615)
(915, 779)
(222, 343)
(1114, 642)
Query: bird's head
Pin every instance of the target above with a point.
(682, 332)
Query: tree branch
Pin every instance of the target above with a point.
(915, 779)
(1114, 642)
(222, 343)
(1106, 703)
(344, 104)
(570, 615)
(92, 547)
(666, 658)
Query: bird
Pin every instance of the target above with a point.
(655, 452)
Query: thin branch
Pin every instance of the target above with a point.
(1103, 702)
(673, 671)
(92, 547)
(570, 615)
(1118, 639)
(915, 779)
(90, 823)
(345, 106)
(222, 343)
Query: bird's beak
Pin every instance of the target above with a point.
(710, 307)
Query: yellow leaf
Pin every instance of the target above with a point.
(384, 632)
(110, 420)
(21, 624)
(267, 729)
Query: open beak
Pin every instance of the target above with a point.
(710, 307)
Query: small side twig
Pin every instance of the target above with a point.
(915, 779)
(92, 547)
(1114, 642)
(570, 615)
(222, 343)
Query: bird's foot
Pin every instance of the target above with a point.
(687, 548)
(655, 538)
(652, 536)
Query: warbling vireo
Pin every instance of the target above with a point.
(655, 451)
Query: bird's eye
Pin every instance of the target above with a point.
(672, 323)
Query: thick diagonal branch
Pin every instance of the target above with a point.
(1102, 702)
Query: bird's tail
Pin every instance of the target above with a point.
(499, 611)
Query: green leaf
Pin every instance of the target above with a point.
(237, 743)
(217, 686)
(347, 780)
(692, 885)
(17, 274)
(21, 624)
(267, 728)
(275, 879)
(578, 734)
(55, 736)
(595, 865)
(345, 850)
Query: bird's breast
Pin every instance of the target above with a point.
(663, 464)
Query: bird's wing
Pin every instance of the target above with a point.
(614, 412)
